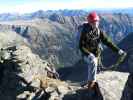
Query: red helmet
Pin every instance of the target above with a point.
(93, 17)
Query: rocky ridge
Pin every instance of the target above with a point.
(24, 77)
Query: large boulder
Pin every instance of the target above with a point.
(18, 67)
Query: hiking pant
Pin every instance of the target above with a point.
(92, 63)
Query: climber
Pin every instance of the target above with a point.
(90, 41)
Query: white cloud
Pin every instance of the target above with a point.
(46, 5)
(112, 4)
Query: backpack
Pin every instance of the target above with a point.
(77, 36)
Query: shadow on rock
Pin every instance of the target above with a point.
(11, 83)
(85, 94)
(128, 89)
(70, 73)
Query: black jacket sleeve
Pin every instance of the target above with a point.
(108, 42)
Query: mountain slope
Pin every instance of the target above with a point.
(53, 39)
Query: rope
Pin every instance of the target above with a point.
(114, 66)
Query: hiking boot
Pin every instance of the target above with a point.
(97, 91)
(90, 85)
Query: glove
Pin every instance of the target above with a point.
(121, 58)
(91, 58)
(121, 52)
(94, 59)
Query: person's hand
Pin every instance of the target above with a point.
(93, 58)
(121, 52)
(121, 58)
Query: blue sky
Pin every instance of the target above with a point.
(26, 6)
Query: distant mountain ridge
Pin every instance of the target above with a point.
(65, 12)
(41, 14)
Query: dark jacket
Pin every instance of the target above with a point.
(91, 38)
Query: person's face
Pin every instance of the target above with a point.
(94, 24)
